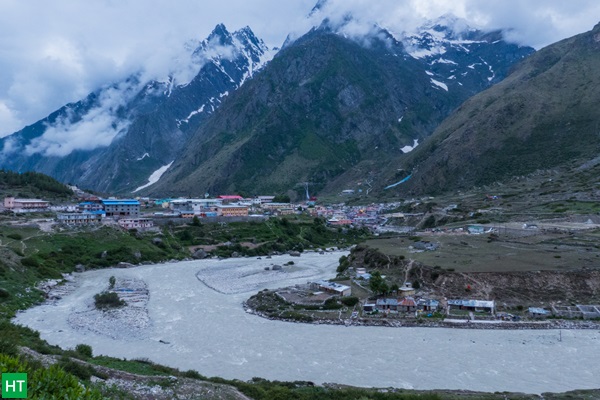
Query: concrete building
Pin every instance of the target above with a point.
(331, 287)
(232, 211)
(79, 218)
(121, 208)
(12, 203)
(196, 205)
(136, 223)
(473, 305)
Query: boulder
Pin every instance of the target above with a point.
(157, 241)
(200, 254)
(294, 253)
(80, 268)
(277, 267)
(125, 265)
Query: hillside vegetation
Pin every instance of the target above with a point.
(543, 116)
(32, 184)
(325, 110)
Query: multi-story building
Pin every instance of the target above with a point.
(25, 204)
(136, 223)
(79, 218)
(232, 211)
(126, 207)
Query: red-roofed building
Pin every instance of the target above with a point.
(408, 304)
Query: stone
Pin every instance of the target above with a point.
(294, 253)
(200, 254)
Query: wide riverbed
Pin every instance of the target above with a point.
(196, 321)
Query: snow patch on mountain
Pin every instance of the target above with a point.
(440, 84)
(155, 176)
(142, 157)
(408, 149)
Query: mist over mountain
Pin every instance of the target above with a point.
(337, 107)
(116, 137)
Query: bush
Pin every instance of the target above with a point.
(4, 294)
(15, 236)
(350, 301)
(30, 262)
(108, 300)
(84, 350)
(111, 282)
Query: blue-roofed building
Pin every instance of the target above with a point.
(535, 312)
(473, 305)
(121, 208)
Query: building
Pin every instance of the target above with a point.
(79, 218)
(227, 199)
(121, 208)
(535, 312)
(286, 211)
(196, 205)
(25, 204)
(331, 287)
(265, 199)
(275, 206)
(428, 304)
(475, 229)
(136, 223)
(385, 304)
(407, 304)
(90, 206)
(473, 305)
(407, 290)
(232, 211)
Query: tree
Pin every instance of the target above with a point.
(377, 284)
(111, 282)
(282, 198)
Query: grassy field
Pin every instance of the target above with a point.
(477, 253)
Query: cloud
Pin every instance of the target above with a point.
(52, 53)
(98, 127)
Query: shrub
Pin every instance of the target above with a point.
(350, 301)
(4, 294)
(111, 282)
(108, 300)
(30, 262)
(84, 350)
(15, 236)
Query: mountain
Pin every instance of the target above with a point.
(335, 110)
(126, 133)
(542, 116)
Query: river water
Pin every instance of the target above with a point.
(197, 322)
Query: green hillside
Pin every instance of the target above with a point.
(325, 110)
(543, 116)
(32, 184)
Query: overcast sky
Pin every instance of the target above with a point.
(55, 52)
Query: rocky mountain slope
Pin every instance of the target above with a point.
(122, 134)
(542, 116)
(335, 111)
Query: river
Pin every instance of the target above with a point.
(197, 322)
